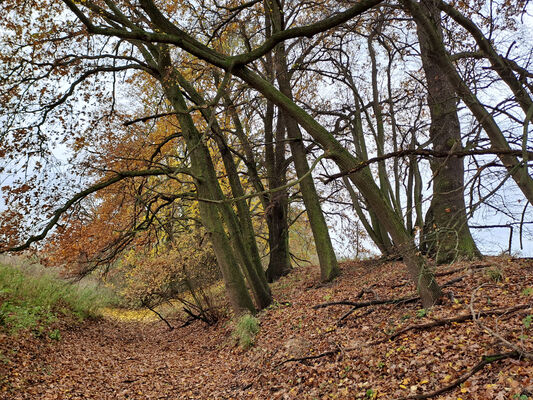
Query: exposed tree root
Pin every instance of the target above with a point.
(485, 360)
(340, 321)
(447, 321)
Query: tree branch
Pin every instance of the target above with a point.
(423, 153)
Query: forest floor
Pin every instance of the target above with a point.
(109, 359)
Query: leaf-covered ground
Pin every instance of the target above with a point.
(107, 359)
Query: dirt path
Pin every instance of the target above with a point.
(113, 360)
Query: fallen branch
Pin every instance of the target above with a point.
(485, 360)
(300, 359)
(453, 271)
(170, 327)
(447, 321)
(362, 304)
(346, 315)
(357, 305)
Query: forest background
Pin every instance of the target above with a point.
(143, 137)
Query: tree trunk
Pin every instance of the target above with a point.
(209, 188)
(497, 139)
(329, 268)
(447, 236)
(242, 230)
(421, 275)
(277, 211)
(278, 207)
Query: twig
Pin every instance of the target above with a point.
(453, 271)
(170, 327)
(447, 321)
(487, 359)
(359, 295)
(356, 305)
(453, 281)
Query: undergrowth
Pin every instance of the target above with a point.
(245, 330)
(34, 301)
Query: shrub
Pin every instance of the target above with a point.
(183, 271)
(495, 274)
(245, 330)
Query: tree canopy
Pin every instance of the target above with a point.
(126, 124)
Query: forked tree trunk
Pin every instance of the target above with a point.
(329, 268)
(227, 252)
(243, 229)
(446, 234)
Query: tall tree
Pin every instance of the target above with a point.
(326, 255)
(446, 233)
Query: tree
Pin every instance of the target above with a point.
(446, 233)
(152, 35)
(156, 39)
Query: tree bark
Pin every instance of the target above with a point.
(329, 268)
(515, 168)
(242, 230)
(446, 235)
(227, 252)
(277, 211)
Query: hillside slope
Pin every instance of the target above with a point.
(305, 353)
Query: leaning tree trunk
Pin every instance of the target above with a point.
(446, 234)
(516, 169)
(226, 251)
(419, 272)
(246, 234)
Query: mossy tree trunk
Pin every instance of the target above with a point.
(219, 214)
(166, 31)
(419, 272)
(440, 56)
(243, 228)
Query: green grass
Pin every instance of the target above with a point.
(245, 330)
(34, 300)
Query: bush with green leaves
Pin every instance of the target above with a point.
(34, 301)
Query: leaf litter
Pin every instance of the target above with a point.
(382, 351)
